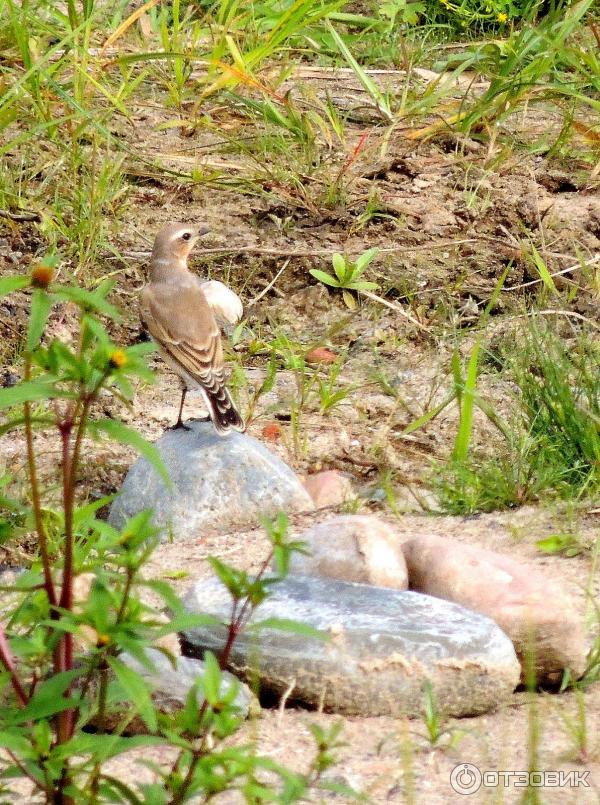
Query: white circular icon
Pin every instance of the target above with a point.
(465, 778)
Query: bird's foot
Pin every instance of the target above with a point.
(179, 426)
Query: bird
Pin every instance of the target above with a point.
(183, 315)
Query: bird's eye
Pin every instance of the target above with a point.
(186, 236)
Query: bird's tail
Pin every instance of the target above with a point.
(225, 416)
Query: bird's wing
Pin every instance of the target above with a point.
(182, 323)
(225, 304)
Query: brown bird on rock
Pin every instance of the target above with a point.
(181, 313)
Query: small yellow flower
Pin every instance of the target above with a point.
(502, 17)
(118, 359)
(102, 640)
(41, 276)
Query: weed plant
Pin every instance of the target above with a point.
(552, 447)
(63, 678)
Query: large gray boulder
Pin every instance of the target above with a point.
(381, 646)
(220, 483)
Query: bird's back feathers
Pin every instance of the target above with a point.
(181, 321)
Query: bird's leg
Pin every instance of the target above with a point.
(179, 423)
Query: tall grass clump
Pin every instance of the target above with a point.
(59, 162)
(551, 447)
(559, 384)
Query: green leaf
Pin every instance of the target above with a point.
(349, 300)
(270, 376)
(545, 275)
(560, 543)
(89, 301)
(141, 350)
(103, 746)
(323, 277)
(84, 515)
(136, 691)
(211, 679)
(236, 581)
(27, 392)
(363, 261)
(553, 544)
(362, 285)
(13, 283)
(340, 267)
(121, 433)
(429, 415)
(457, 375)
(41, 304)
(289, 625)
(19, 421)
(98, 607)
(48, 699)
(166, 592)
(154, 793)
(495, 295)
(95, 328)
(17, 743)
(188, 717)
(373, 90)
(467, 404)
(183, 623)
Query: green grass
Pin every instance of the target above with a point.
(552, 448)
(62, 98)
(560, 388)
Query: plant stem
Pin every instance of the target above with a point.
(35, 495)
(70, 463)
(25, 773)
(126, 593)
(237, 622)
(65, 720)
(8, 662)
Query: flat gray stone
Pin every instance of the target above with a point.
(219, 484)
(382, 645)
(171, 686)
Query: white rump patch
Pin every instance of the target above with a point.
(224, 302)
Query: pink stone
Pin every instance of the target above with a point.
(534, 611)
(328, 488)
(353, 547)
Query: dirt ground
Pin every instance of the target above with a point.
(448, 222)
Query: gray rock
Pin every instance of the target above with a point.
(219, 484)
(382, 645)
(170, 687)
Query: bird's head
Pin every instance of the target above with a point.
(176, 241)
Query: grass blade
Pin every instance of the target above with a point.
(377, 96)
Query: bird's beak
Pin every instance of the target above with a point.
(203, 230)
